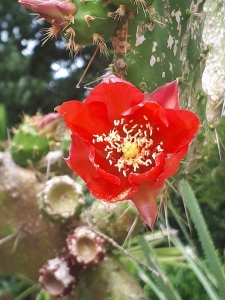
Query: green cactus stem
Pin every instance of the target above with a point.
(92, 25)
(116, 219)
(166, 40)
(113, 282)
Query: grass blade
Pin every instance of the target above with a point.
(203, 234)
(198, 272)
(162, 280)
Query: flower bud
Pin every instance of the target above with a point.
(85, 246)
(54, 11)
(59, 275)
(46, 124)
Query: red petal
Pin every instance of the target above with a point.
(78, 159)
(85, 119)
(167, 95)
(145, 201)
(177, 128)
(152, 110)
(183, 125)
(171, 166)
(152, 174)
(103, 162)
(105, 190)
(118, 96)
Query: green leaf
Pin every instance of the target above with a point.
(43, 295)
(204, 235)
(147, 279)
(187, 253)
(26, 293)
(3, 123)
(162, 280)
(181, 223)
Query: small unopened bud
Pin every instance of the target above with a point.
(85, 246)
(61, 199)
(46, 124)
(61, 10)
(59, 275)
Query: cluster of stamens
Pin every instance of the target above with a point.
(129, 145)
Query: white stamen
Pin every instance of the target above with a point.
(108, 154)
(154, 155)
(127, 138)
(159, 148)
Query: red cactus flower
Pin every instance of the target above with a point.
(125, 144)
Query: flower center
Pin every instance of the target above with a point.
(130, 150)
(130, 146)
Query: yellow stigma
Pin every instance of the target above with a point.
(130, 149)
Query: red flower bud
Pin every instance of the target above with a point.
(54, 11)
(46, 124)
(125, 144)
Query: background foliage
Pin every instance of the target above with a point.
(35, 77)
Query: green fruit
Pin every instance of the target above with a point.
(28, 144)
